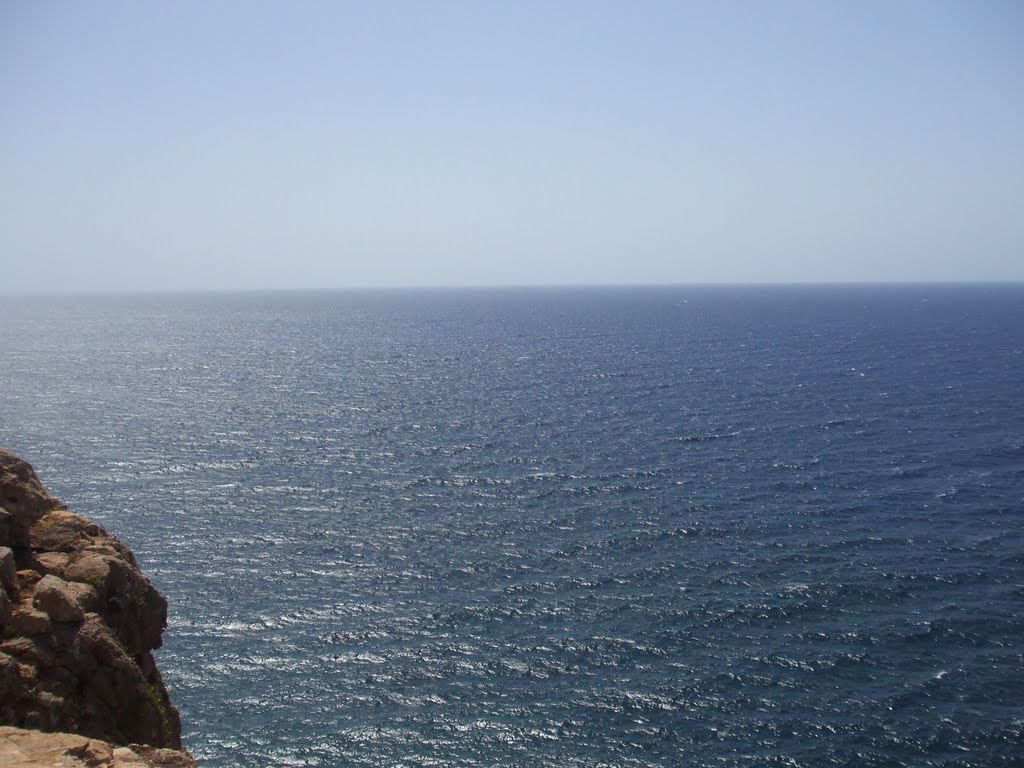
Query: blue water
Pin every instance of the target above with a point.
(594, 527)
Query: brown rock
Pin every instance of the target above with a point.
(162, 758)
(51, 562)
(27, 621)
(78, 622)
(54, 597)
(90, 568)
(85, 595)
(28, 578)
(6, 521)
(93, 753)
(23, 497)
(8, 674)
(134, 609)
(31, 749)
(8, 571)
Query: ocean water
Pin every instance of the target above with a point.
(688, 526)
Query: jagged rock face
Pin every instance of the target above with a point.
(78, 622)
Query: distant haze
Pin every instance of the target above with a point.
(247, 145)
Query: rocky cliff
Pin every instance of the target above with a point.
(78, 624)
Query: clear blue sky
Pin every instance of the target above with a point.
(248, 145)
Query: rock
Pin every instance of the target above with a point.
(6, 520)
(27, 579)
(33, 749)
(8, 672)
(90, 568)
(94, 753)
(78, 624)
(8, 571)
(85, 596)
(54, 597)
(51, 562)
(23, 499)
(27, 621)
(36, 651)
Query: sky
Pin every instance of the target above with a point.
(196, 145)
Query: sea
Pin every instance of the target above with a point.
(576, 527)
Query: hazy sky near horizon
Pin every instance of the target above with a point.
(248, 145)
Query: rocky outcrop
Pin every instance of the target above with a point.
(78, 624)
(35, 749)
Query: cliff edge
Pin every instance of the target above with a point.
(78, 624)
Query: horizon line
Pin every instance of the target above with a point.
(383, 288)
